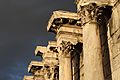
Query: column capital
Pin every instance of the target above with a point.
(66, 48)
(50, 72)
(93, 12)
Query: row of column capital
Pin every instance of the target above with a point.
(69, 32)
(42, 70)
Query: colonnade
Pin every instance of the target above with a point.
(76, 33)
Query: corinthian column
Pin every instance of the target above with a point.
(66, 27)
(93, 17)
(67, 49)
(61, 67)
(67, 68)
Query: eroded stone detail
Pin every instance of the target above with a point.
(95, 13)
(39, 74)
(50, 73)
(70, 28)
(60, 18)
(67, 48)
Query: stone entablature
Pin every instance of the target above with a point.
(52, 47)
(40, 50)
(59, 18)
(50, 58)
(69, 33)
(86, 2)
(28, 78)
(66, 25)
(43, 71)
(49, 53)
(37, 69)
(34, 66)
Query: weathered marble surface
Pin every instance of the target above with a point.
(114, 42)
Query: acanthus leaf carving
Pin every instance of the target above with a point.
(95, 13)
(67, 47)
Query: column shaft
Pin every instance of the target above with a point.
(67, 68)
(61, 68)
(93, 69)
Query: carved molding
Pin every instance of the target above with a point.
(46, 73)
(67, 48)
(95, 13)
(60, 18)
(28, 77)
(49, 73)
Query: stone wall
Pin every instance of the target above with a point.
(114, 42)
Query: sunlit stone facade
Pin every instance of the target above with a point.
(86, 46)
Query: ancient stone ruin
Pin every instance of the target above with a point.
(86, 46)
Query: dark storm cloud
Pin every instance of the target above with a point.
(22, 27)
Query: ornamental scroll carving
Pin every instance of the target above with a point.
(67, 48)
(95, 13)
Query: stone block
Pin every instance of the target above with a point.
(116, 74)
(115, 50)
(115, 21)
(116, 62)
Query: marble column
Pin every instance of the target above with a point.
(67, 68)
(67, 49)
(93, 17)
(92, 52)
(61, 68)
